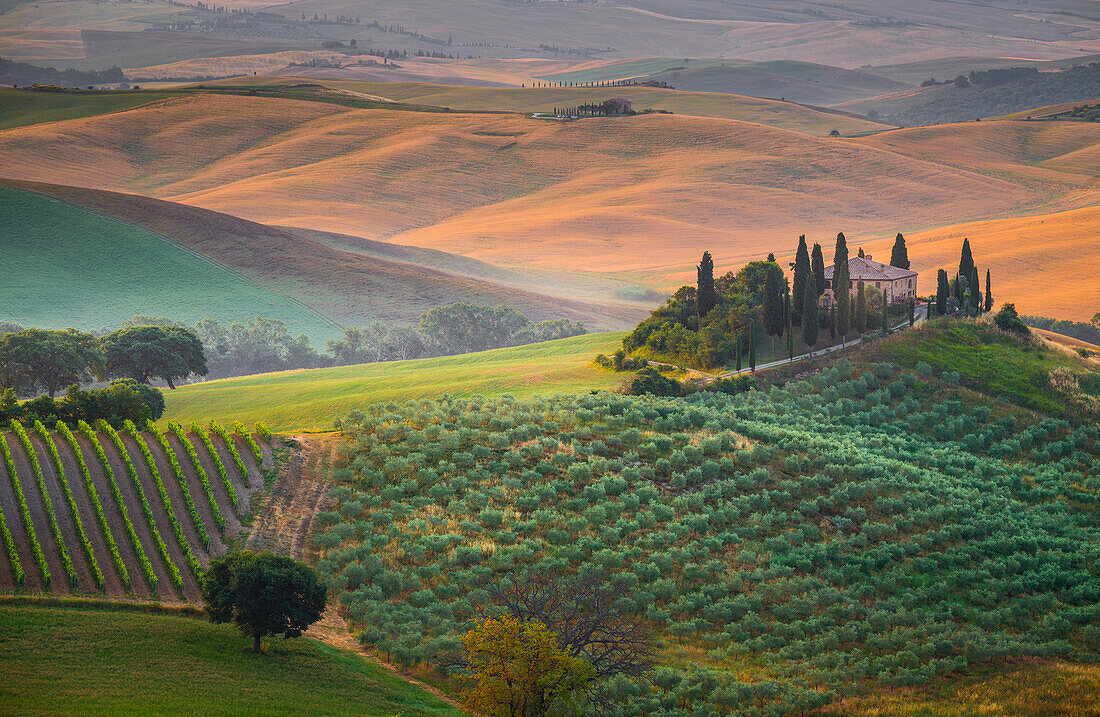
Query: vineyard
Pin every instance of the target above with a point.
(136, 512)
(869, 525)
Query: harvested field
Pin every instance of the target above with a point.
(114, 585)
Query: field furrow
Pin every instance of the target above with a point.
(59, 584)
(84, 575)
(240, 483)
(140, 587)
(33, 578)
(165, 588)
(171, 484)
(232, 521)
(113, 584)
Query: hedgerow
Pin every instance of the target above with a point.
(150, 519)
(203, 479)
(24, 511)
(241, 430)
(78, 524)
(135, 541)
(51, 515)
(151, 463)
(222, 473)
(227, 438)
(97, 506)
(196, 519)
(804, 539)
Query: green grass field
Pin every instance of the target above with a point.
(312, 399)
(65, 267)
(75, 661)
(19, 108)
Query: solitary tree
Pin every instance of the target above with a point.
(264, 594)
(803, 275)
(988, 293)
(809, 321)
(841, 287)
(861, 309)
(707, 297)
(817, 265)
(146, 352)
(860, 253)
(942, 291)
(899, 255)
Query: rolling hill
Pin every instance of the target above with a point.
(310, 399)
(313, 281)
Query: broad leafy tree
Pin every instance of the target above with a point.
(38, 359)
(147, 352)
(264, 594)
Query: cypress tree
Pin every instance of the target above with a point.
(941, 292)
(817, 266)
(738, 342)
(966, 260)
(885, 313)
(803, 272)
(832, 322)
(975, 292)
(773, 309)
(752, 345)
(912, 312)
(860, 253)
(706, 298)
(899, 255)
(790, 327)
(988, 295)
(861, 309)
(809, 322)
(842, 288)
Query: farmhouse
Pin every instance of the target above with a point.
(899, 284)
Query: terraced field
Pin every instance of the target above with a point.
(126, 514)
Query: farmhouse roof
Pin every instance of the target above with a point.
(863, 269)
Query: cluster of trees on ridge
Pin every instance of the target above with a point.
(1089, 332)
(149, 348)
(21, 73)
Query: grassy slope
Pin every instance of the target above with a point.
(111, 271)
(311, 399)
(349, 286)
(65, 661)
(19, 108)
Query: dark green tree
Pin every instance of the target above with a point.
(860, 253)
(707, 297)
(912, 311)
(809, 321)
(803, 275)
(842, 287)
(264, 594)
(966, 260)
(861, 309)
(885, 312)
(737, 342)
(832, 322)
(651, 381)
(942, 291)
(899, 255)
(147, 352)
(817, 265)
(1008, 320)
(790, 330)
(773, 308)
(975, 293)
(988, 293)
(48, 360)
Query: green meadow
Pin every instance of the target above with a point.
(310, 399)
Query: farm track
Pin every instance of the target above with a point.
(84, 578)
(112, 581)
(59, 581)
(191, 590)
(138, 585)
(113, 584)
(282, 525)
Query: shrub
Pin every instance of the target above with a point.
(650, 381)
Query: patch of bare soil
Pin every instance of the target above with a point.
(282, 524)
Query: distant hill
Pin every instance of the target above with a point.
(330, 285)
(984, 93)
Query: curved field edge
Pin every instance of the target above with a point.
(93, 661)
(310, 399)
